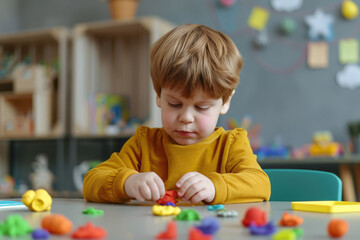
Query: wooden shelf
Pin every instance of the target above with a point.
(113, 58)
(40, 46)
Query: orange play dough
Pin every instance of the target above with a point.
(337, 228)
(56, 224)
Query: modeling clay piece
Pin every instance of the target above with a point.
(93, 211)
(40, 234)
(38, 200)
(169, 204)
(209, 225)
(165, 210)
(298, 231)
(170, 196)
(266, 229)
(216, 207)
(196, 234)
(289, 220)
(286, 234)
(226, 213)
(14, 226)
(255, 215)
(337, 227)
(188, 215)
(56, 224)
(89, 231)
(170, 233)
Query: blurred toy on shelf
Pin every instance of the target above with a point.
(252, 130)
(109, 113)
(7, 184)
(41, 177)
(79, 172)
(300, 152)
(276, 149)
(323, 145)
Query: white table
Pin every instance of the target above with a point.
(136, 221)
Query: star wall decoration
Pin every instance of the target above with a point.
(320, 25)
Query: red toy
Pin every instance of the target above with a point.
(170, 233)
(337, 227)
(170, 196)
(89, 231)
(255, 215)
(197, 234)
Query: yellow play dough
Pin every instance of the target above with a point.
(38, 200)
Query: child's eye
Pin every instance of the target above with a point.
(174, 105)
(202, 108)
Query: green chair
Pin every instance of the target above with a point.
(304, 185)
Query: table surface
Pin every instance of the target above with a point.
(136, 221)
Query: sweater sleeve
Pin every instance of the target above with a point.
(244, 180)
(105, 182)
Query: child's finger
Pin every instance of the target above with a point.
(186, 185)
(160, 184)
(138, 196)
(154, 190)
(192, 191)
(184, 178)
(198, 197)
(145, 192)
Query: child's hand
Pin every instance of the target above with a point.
(195, 187)
(145, 186)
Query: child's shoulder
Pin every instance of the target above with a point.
(148, 132)
(235, 133)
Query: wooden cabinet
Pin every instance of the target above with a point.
(111, 61)
(34, 77)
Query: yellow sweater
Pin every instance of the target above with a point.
(225, 157)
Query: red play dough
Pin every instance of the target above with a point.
(197, 234)
(170, 196)
(170, 233)
(255, 215)
(89, 231)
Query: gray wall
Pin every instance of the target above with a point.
(9, 17)
(277, 88)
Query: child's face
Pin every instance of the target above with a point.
(189, 120)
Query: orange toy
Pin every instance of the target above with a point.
(337, 228)
(56, 224)
(289, 220)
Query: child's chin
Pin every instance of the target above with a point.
(185, 142)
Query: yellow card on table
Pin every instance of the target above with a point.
(258, 18)
(326, 206)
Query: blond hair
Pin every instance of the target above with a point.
(192, 56)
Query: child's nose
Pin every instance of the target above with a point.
(186, 116)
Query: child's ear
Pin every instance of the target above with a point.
(225, 107)
(158, 101)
